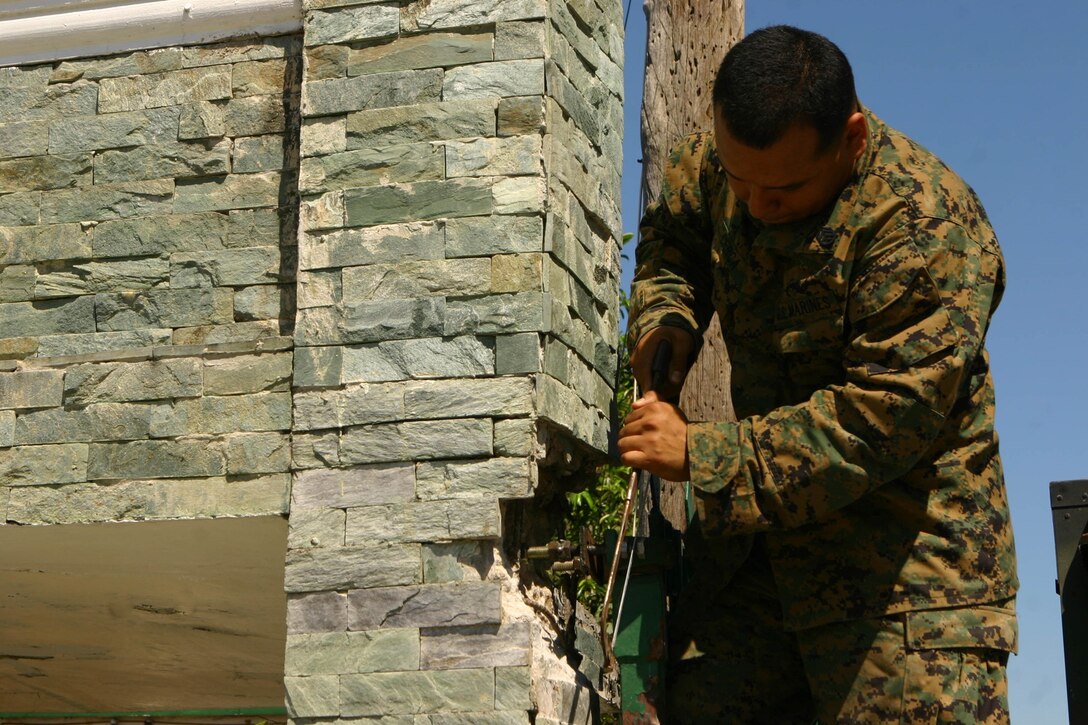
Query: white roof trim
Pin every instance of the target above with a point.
(38, 31)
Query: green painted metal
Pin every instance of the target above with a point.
(640, 633)
(245, 712)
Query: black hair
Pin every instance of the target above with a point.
(780, 76)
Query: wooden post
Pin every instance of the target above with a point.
(685, 43)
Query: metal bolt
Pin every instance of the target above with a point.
(1058, 497)
(1068, 516)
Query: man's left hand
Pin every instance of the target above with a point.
(654, 437)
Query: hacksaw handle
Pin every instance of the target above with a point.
(659, 368)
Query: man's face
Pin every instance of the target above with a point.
(790, 179)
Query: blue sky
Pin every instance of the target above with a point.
(998, 90)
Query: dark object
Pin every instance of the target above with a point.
(1069, 504)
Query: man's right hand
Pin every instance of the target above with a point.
(642, 358)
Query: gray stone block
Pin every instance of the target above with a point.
(521, 115)
(108, 201)
(406, 280)
(163, 308)
(447, 605)
(459, 561)
(372, 321)
(247, 374)
(178, 160)
(498, 78)
(419, 358)
(43, 465)
(483, 236)
(251, 453)
(100, 342)
(259, 78)
(180, 458)
(7, 432)
(334, 653)
(52, 317)
(507, 397)
(177, 233)
(380, 90)
(425, 521)
(513, 688)
(70, 133)
(421, 123)
(518, 353)
(314, 570)
(374, 245)
(372, 167)
(252, 116)
(517, 273)
(495, 478)
(457, 13)
(63, 100)
(150, 500)
(430, 50)
(479, 646)
(352, 487)
(20, 208)
(255, 154)
(364, 22)
(324, 135)
(227, 268)
(17, 283)
(391, 693)
(201, 121)
(515, 156)
(99, 422)
(155, 90)
(45, 172)
(128, 382)
(263, 302)
(318, 367)
(520, 195)
(417, 440)
(233, 51)
(519, 39)
(24, 389)
(227, 333)
(418, 201)
(316, 528)
(237, 191)
(26, 138)
(313, 696)
(508, 717)
(36, 76)
(515, 437)
(498, 314)
(223, 414)
(320, 612)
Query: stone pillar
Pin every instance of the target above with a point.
(454, 349)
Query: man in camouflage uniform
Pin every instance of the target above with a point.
(860, 490)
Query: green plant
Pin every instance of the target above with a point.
(599, 507)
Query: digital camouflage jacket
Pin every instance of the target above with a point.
(864, 449)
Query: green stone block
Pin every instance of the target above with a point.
(419, 201)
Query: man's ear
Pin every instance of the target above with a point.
(857, 135)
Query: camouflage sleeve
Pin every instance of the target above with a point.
(917, 314)
(672, 281)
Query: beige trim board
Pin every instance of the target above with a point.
(39, 31)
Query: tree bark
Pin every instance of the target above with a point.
(685, 43)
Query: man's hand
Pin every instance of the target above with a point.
(654, 437)
(642, 358)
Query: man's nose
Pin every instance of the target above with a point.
(761, 204)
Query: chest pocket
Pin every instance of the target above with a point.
(807, 334)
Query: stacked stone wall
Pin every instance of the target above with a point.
(366, 275)
(147, 264)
